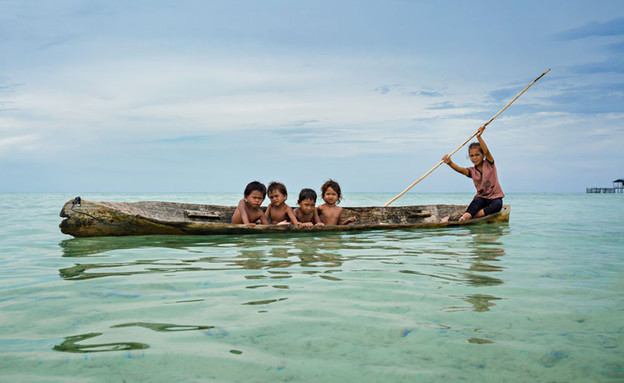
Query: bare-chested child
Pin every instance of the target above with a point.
(306, 213)
(329, 213)
(248, 211)
(278, 213)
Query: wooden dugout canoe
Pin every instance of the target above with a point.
(98, 219)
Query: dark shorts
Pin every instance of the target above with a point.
(489, 206)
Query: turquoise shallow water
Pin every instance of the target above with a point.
(539, 299)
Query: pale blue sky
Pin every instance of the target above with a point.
(207, 96)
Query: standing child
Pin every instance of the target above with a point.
(489, 197)
(330, 213)
(248, 211)
(306, 212)
(278, 213)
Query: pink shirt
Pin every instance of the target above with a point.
(487, 182)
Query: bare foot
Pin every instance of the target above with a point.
(445, 219)
(465, 216)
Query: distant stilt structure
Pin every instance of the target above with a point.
(618, 187)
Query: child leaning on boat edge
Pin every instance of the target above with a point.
(329, 212)
(306, 213)
(489, 197)
(248, 211)
(278, 213)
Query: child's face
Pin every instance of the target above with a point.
(277, 198)
(475, 156)
(254, 200)
(307, 206)
(330, 196)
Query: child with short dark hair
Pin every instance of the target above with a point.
(248, 211)
(306, 212)
(329, 213)
(278, 213)
(489, 197)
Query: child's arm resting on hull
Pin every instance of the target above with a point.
(242, 209)
(293, 218)
(347, 221)
(267, 214)
(317, 219)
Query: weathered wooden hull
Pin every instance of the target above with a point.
(99, 219)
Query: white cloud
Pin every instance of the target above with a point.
(19, 144)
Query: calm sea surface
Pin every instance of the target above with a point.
(540, 299)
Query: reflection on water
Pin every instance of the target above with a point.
(82, 271)
(270, 272)
(481, 252)
(71, 343)
(486, 248)
(81, 247)
(264, 302)
(163, 327)
(479, 341)
(250, 253)
(481, 302)
(281, 255)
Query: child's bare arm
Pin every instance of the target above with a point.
(242, 209)
(317, 219)
(447, 160)
(486, 150)
(321, 213)
(291, 215)
(263, 218)
(267, 213)
(346, 221)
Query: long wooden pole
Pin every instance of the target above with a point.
(465, 142)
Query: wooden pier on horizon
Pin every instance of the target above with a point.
(618, 187)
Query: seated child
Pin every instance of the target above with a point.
(489, 197)
(248, 211)
(278, 213)
(306, 212)
(329, 213)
